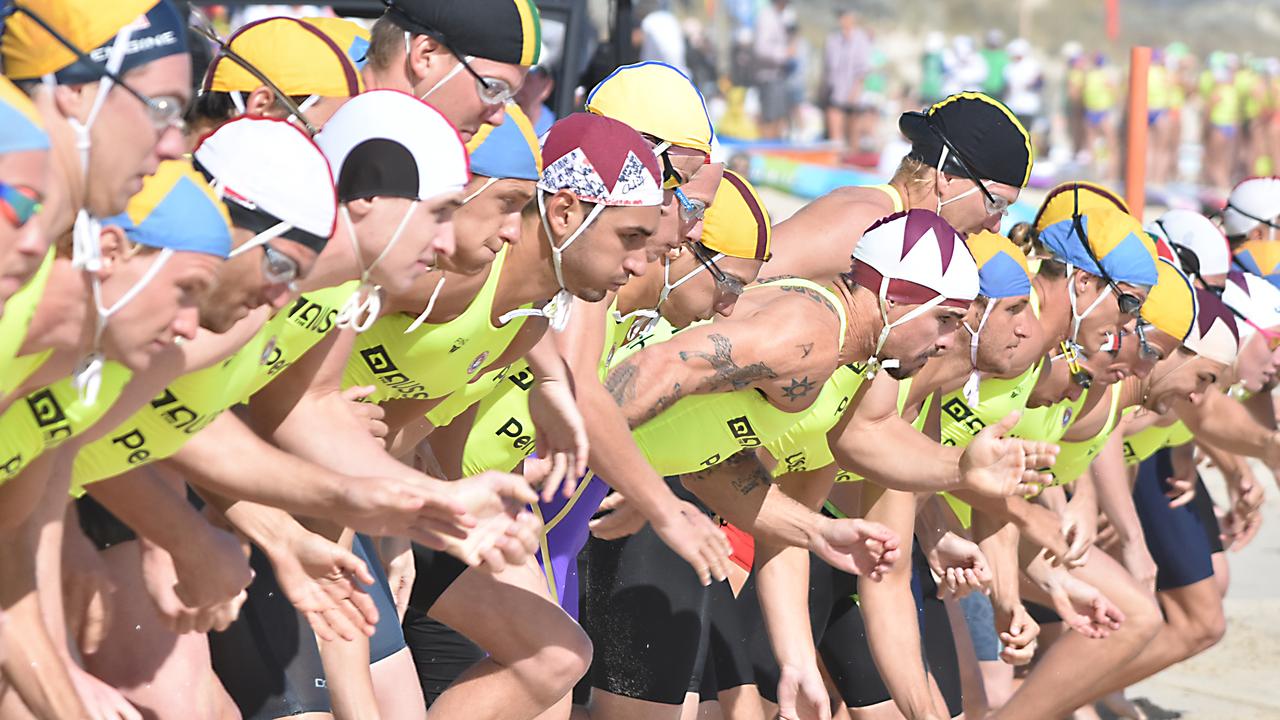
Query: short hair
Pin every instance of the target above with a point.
(386, 43)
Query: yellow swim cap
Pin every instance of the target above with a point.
(1171, 304)
(353, 38)
(299, 57)
(737, 223)
(1064, 199)
(655, 99)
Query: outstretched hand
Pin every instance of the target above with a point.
(857, 546)
(997, 466)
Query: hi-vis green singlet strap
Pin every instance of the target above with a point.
(836, 301)
(894, 195)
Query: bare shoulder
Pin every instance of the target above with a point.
(819, 238)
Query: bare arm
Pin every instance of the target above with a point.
(1224, 422)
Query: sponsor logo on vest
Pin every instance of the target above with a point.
(379, 361)
(312, 316)
(958, 410)
(478, 362)
(740, 428)
(50, 416)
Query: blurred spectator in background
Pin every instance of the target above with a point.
(1024, 89)
(701, 55)
(846, 61)
(1077, 66)
(964, 67)
(994, 54)
(933, 71)
(1101, 89)
(773, 49)
(662, 37)
(1158, 127)
(1223, 129)
(533, 97)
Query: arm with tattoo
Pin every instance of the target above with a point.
(782, 347)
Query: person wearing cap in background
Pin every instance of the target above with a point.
(160, 256)
(310, 63)
(467, 58)
(776, 386)
(997, 322)
(1252, 211)
(969, 160)
(120, 82)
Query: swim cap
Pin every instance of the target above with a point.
(1002, 266)
(1204, 247)
(1171, 305)
(631, 94)
(389, 143)
(155, 30)
(177, 209)
(975, 130)
(506, 31)
(1257, 301)
(914, 257)
(298, 191)
(1214, 334)
(351, 37)
(737, 223)
(1253, 201)
(300, 58)
(1117, 240)
(20, 125)
(509, 150)
(1072, 197)
(601, 161)
(1260, 257)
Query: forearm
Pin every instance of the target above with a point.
(215, 460)
(350, 684)
(1226, 423)
(741, 491)
(876, 450)
(935, 519)
(782, 583)
(615, 456)
(998, 540)
(1114, 492)
(889, 612)
(153, 508)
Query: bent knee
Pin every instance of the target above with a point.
(556, 667)
(1207, 632)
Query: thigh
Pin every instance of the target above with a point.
(846, 652)
(979, 618)
(268, 659)
(645, 616)
(388, 638)
(1202, 505)
(940, 653)
(1175, 536)
(440, 653)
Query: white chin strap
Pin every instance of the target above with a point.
(1078, 317)
(560, 307)
(87, 376)
(971, 385)
(874, 363)
(365, 304)
(86, 243)
(237, 99)
(651, 316)
(482, 188)
(431, 305)
(261, 238)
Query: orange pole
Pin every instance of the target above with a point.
(1135, 175)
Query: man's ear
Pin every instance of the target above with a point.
(360, 208)
(262, 102)
(115, 247)
(72, 101)
(424, 53)
(561, 209)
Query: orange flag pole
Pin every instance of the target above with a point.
(1135, 175)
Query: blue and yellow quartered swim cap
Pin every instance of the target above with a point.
(177, 209)
(1116, 239)
(1262, 258)
(509, 150)
(351, 37)
(1002, 266)
(1070, 197)
(20, 126)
